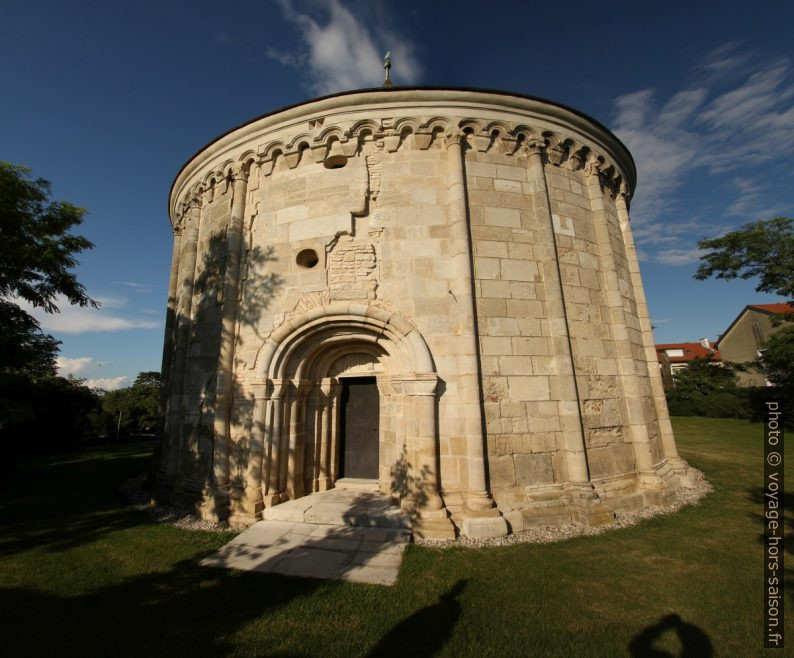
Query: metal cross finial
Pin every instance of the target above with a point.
(387, 66)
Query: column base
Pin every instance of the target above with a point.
(434, 529)
(482, 523)
(586, 507)
(214, 504)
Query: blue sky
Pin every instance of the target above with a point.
(108, 99)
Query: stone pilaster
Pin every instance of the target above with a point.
(630, 384)
(183, 321)
(478, 502)
(682, 469)
(432, 518)
(225, 379)
(546, 251)
(164, 435)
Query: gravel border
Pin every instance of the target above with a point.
(550, 534)
(135, 490)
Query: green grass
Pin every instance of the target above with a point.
(83, 574)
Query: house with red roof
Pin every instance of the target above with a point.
(674, 356)
(744, 339)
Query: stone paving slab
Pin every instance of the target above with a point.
(340, 507)
(354, 554)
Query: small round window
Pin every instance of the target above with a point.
(307, 258)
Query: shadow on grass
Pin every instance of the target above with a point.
(188, 610)
(694, 642)
(62, 502)
(427, 631)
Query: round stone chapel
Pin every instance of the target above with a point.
(429, 295)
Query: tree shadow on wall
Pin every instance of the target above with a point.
(408, 485)
(192, 442)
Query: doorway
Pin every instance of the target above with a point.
(359, 422)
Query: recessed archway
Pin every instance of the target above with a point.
(302, 367)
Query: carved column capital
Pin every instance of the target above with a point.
(453, 137)
(240, 173)
(421, 385)
(556, 154)
(593, 167)
(534, 146)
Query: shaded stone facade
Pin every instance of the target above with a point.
(470, 251)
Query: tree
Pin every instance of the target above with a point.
(763, 249)
(777, 362)
(704, 377)
(37, 252)
(706, 388)
(133, 409)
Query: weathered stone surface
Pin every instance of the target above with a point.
(335, 240)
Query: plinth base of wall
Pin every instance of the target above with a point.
(478, 525)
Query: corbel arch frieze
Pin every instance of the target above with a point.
(513, 139)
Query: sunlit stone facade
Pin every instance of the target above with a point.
(433, 291)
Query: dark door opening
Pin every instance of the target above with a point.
(358, 446)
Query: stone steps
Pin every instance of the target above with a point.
(341, 507)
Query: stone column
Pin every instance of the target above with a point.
(297, 425)
(468, 375)
(432, 519)
(185, 280)
(164, 435)
(324, 481)
(635, 424)
(548, 262)
(287, 403)
(170, 316)
(225, 380)
(272, 425)
(333, 432)
(257, 448)
(659, 399)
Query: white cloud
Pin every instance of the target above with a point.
(137, 287)
(107, 383)
(341, 53)
(78, 320)
(737, 113)
(73, 366)
(678, 256)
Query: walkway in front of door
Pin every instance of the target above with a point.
(341, 534)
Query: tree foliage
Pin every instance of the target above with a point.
(37, 252)
(706, 388)
(37, 248)
(777, 362)
(704, 377)
(132, 410)
(763, 249)
(38, 410)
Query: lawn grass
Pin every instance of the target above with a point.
(83, 574)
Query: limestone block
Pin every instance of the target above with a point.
(529, 388)
(533, 469)
(519, 270)
(502, 471)
(497, 216)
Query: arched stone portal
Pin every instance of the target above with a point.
(296, 431)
